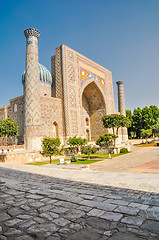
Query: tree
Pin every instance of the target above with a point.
(129, 116)
(76, 142)
(105, 140)
(50, 147)
(155, 129)
(115, 121)
(88, 151)
(137, 121)
(146, 133)
(8, 128)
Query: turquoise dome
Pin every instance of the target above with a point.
(44, 74)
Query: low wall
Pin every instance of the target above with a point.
(138, 141)
(20, 157)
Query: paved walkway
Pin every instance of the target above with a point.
(53, 202)
(125, 163)
(34, 206)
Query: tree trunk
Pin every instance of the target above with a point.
(50, 159)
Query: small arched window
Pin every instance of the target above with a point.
(87, 122)
(15, 107)
(87, 135)
(55, 130)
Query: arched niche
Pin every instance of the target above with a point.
(94, 108)
(55, 130)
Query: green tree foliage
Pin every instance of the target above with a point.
(8, 128)
(76, 142)
(115, 121)
(137, 121)
(144, 119)
(88, 151)
(129, 116)
(73, 158)
(106, 140)
(50, 147)
(155, 129)
(146, 133)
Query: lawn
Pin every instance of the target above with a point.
(82, 159)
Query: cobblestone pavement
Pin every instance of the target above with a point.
(40, 207)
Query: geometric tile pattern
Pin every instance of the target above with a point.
(32, 92)
(74, 123)
(71, 74)
(70, 55)
(72, 97)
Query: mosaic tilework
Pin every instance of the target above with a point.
(53, 76)
(72, 94)
(70, 55)
(32, 93)
(65, 90)
(58, 70)
(87, 75)
(71, 74)
(74, 124)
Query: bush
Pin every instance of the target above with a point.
(73, 158)
(94, 150)
(124, 150)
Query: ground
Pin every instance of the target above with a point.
(66, 202)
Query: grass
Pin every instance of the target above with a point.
(97, 155)
(83, 159)
(147, 145)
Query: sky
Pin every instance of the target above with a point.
(120, 35)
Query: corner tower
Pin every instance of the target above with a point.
(121, 107)
(32, 123)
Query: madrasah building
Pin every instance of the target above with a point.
(69, 101)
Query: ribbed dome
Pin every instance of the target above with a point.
(44, 74)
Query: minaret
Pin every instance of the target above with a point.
(121, 107)
(121, 100)
(32, 123)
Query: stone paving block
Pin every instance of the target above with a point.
(14, 211)
(33, 196)
(12, 232)
(151, 225)
(111, 216)
(24, 237)
(125, 236)
(3, 206)
(4, 217)
(36, 204)
(61, 222)
(84, 208)
(3, 237)
(12, 222)
(133, 220)
(25, 207)
(24, 216)
(138, 205)
(74, 214)
(153, 213)
(84, 234)
(153, 202)
(95, 213)
(60, 210)
(49, 227)
(120, 202)
(26, 224)
(127, 210)
(46, 216)
(135, 200)
(39, 220)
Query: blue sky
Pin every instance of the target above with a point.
(121, 35)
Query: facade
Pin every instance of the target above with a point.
(69, 101)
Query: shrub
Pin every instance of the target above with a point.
(94, 150)
(124, 150)
(73, 158)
